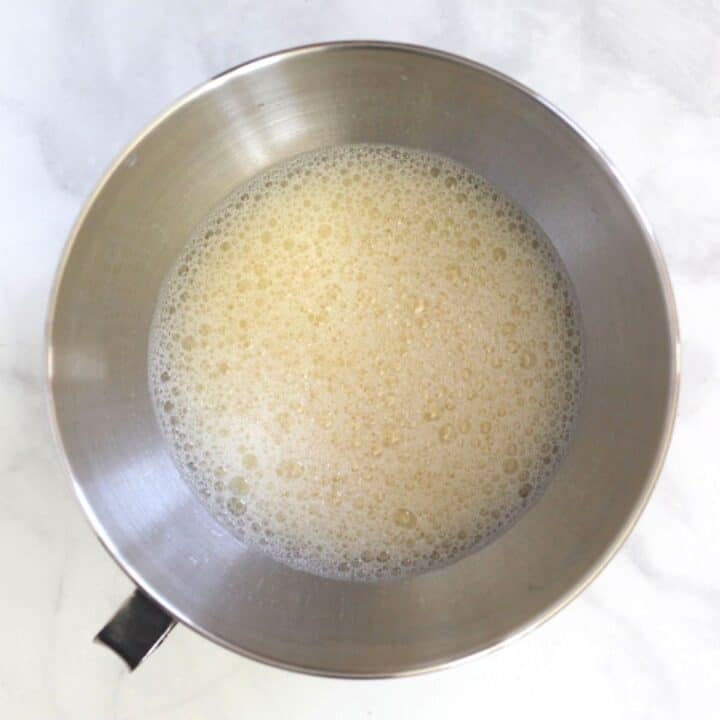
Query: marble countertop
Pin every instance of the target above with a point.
(79, 79)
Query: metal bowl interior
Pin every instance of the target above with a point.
(131, 231)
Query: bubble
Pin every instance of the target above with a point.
(290, 469)
(239, 485)
(510, 465)
(446, 433)
(527, 359)
(404, 518)
(236, 507)
(432, 411)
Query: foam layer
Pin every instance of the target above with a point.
(367, 361)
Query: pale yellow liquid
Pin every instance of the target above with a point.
(367, 361)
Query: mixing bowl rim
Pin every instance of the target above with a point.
(620, 185)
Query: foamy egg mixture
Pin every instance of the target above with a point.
(367, 361)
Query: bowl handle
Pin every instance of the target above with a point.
(136, 629)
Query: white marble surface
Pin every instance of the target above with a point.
(78, 79)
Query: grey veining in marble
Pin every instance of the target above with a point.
(79, 79)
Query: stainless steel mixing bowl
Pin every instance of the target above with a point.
(134, 226)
